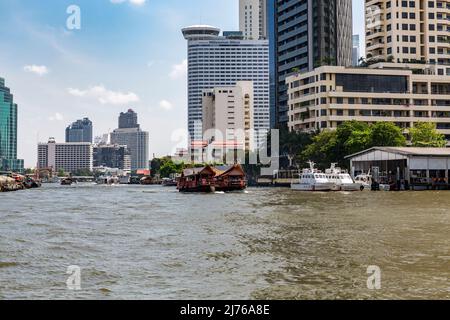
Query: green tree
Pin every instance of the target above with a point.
(386, 134)
(352, 136)
(424, 134)
(322, 150)
(293, 143)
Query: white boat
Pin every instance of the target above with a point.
(107, 180)
(366, 181)
(311, 180)
(342, 180)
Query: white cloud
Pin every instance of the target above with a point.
(133, 2)
(56, 117)
(179, 70)
(39, 70)
(166, 105)
(105, 96)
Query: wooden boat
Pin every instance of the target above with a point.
(231, 179)
(210, 179)
(67, 181)
(197, 180)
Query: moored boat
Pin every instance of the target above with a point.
(342, 180)
(312, 180)
(67, 181)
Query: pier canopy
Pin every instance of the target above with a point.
(416, 166)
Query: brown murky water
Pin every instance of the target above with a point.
(134, 242)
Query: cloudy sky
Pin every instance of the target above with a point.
(127, 54)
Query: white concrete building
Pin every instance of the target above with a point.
(228, 115)
(69, 157)
(415, 168)
(328, 96)
(215, 61)
(252, 19)
(137, 142)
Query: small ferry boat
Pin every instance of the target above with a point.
(168, 182)
(67, 181)
(342, 179)
(230, 179)
(197, 180)
(108, 180)
(367, 183)
(312, 180)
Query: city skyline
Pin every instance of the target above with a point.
(58, 75)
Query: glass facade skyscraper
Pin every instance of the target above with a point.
(79, 131)
(309, 33)
(8, 131)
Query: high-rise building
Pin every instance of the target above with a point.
(130, 134)
(8, 131)
(270, 23)
(112, 156)
(409, 32)
(253, 19)
(356, 52)
(228, 115)
(128, 119)
(329, 95)
(215, 61)
(309, 33)
(79, 131)
(69, 157)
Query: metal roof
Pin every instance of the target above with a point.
(408, 151)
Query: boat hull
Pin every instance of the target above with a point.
(323, 187)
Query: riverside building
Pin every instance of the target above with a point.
(328, 96)
(8, 131)
(69, 157)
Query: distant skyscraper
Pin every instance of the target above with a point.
(79, 131)
(215, 61)
(8, 131)
(130, 134)
(271, 36)
(253, 19)
(309, 33)
(355, 54)
(112, 156)
(128, 119)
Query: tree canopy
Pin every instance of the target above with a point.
(424, 134)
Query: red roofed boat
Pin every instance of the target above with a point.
(210, 179)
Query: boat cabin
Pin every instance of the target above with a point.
(197, 180)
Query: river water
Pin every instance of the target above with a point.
(139, 242)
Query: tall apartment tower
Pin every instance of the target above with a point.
(309, 33)
(409, 32)
(253, 19)
(215, 61)
(8, 131)
(79, 131)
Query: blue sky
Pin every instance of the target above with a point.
(128, 53)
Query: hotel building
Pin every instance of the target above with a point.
(409, 32)
(326, 97)
(215, 61)
(79, 131)
(69, 157)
